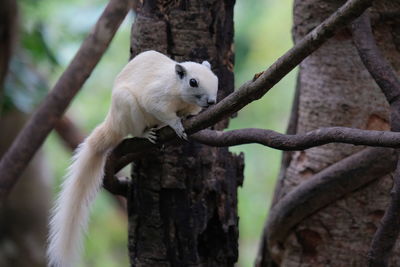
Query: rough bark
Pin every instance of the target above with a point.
(182, 200)
(337, 90)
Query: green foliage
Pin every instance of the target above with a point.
(35, 43)
(24, 87)
(52, 33)
(26, 84)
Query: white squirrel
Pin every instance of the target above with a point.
(151, 91)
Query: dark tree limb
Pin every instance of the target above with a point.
(122, 155)
(44, 119)
(387, 79)
(326, 187)
(256, 88)
(112, 183)
(379, 68)
(298, 141)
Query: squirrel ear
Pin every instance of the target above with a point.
(206, 63)
(180, 70)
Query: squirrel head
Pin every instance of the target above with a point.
(199, 85)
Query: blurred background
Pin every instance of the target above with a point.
(50, 32)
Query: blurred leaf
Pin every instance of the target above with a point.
(24, 87)
(35, 43)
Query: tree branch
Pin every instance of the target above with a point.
(44, 119)
(261, 84)
(256, 88)
(326, 187)
(387, 79)
(374, 61)
(112, 183)
(298, 141)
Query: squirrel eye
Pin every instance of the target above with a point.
(193, 83)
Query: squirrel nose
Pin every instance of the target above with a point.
(210, 102)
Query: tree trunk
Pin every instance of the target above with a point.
(182, 200)
(336, 89)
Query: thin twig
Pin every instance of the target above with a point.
(256, 88)
(387, 79)
(289, 142)
(326, 187)
(44, 119)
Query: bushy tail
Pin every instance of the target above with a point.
(71, 212)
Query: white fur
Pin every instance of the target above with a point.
(147, 93)
(206, 63)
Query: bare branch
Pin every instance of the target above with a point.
(259, 86)
(114, 184)
(326, 187)
(379, 68)
(120, 157)
(298, 141)
(387, 79)
(44, 119)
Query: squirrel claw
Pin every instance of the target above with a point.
(184, 136)
(150, 135)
